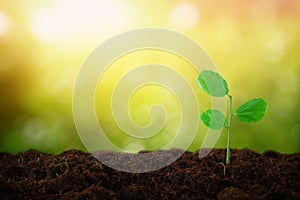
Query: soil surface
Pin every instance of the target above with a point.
(77, 175)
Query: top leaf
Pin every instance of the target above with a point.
(212, 83)
(252, 111)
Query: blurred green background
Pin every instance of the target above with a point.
(254, 43)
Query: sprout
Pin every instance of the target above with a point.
(214, 85)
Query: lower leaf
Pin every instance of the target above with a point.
(213, 119)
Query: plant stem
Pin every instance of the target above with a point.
(228, 127)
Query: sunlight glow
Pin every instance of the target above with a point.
(185, 15)
(79, 18)
(4, 24)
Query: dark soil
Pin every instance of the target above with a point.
(77, 175)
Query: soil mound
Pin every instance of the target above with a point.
(77, 175)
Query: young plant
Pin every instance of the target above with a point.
(214, 84)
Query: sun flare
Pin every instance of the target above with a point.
(79, 18)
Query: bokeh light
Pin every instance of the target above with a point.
(185, 15)
(4, 23)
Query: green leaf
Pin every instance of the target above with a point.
(252, 111)
(212, 83)
(213, 119)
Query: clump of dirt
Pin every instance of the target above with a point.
(77, 175)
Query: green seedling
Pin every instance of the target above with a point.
(215, 85)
